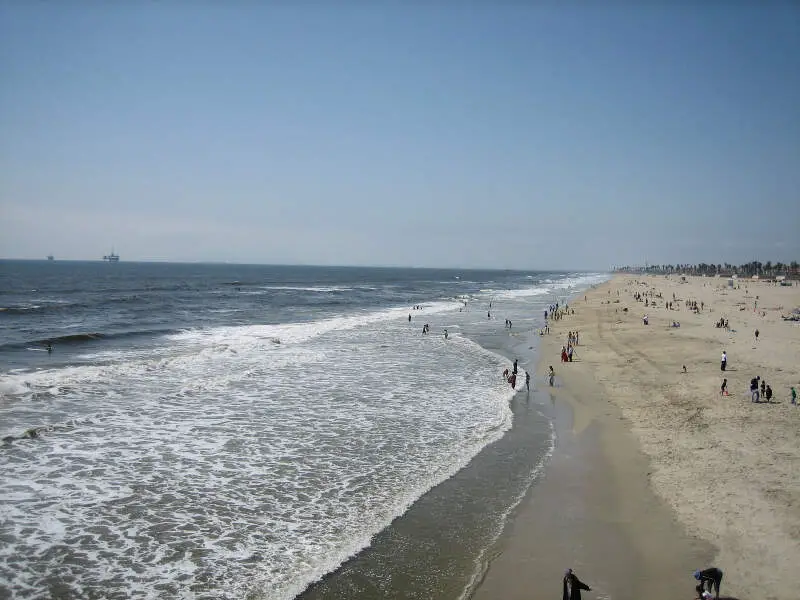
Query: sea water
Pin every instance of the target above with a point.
(217, 431)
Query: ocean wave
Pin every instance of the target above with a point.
(322, 288)
(87, 337)
(57, 306)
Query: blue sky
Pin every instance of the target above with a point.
(477, 134)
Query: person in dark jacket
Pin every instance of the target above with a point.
(573, 586)
(707, 579)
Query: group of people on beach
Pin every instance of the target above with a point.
(556, 313)
(766, 390)
(692, 305)
(569, 350)
(511, 377)
(708, 581)
(759, 388)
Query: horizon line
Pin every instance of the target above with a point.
(310, 265)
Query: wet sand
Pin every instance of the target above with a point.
(655, 473)
(593, 511)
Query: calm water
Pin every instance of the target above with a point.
(221, 431)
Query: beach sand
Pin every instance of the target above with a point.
(656, 473)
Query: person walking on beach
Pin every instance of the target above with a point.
(754, 389)
(708, 578)
(723, 389)
(723, 361)
(572, 586)
(551, 375)
(794, 396)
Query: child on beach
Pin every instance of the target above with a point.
(794, 396)
(723, 389)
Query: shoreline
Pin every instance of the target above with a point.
(652, 463)
(438, 547)
(593, 510)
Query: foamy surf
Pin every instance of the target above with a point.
(241, 460)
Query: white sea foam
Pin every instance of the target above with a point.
(315, 288)
(222, 458)
(222, 446)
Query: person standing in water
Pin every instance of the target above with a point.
(514, 371)
(528, 380)
(551, 375)
(445, 334)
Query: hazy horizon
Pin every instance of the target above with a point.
(569, 137)
(301, 265)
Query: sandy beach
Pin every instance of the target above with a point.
(656, 473)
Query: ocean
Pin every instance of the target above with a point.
(263, 432)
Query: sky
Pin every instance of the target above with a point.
(514, 135)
